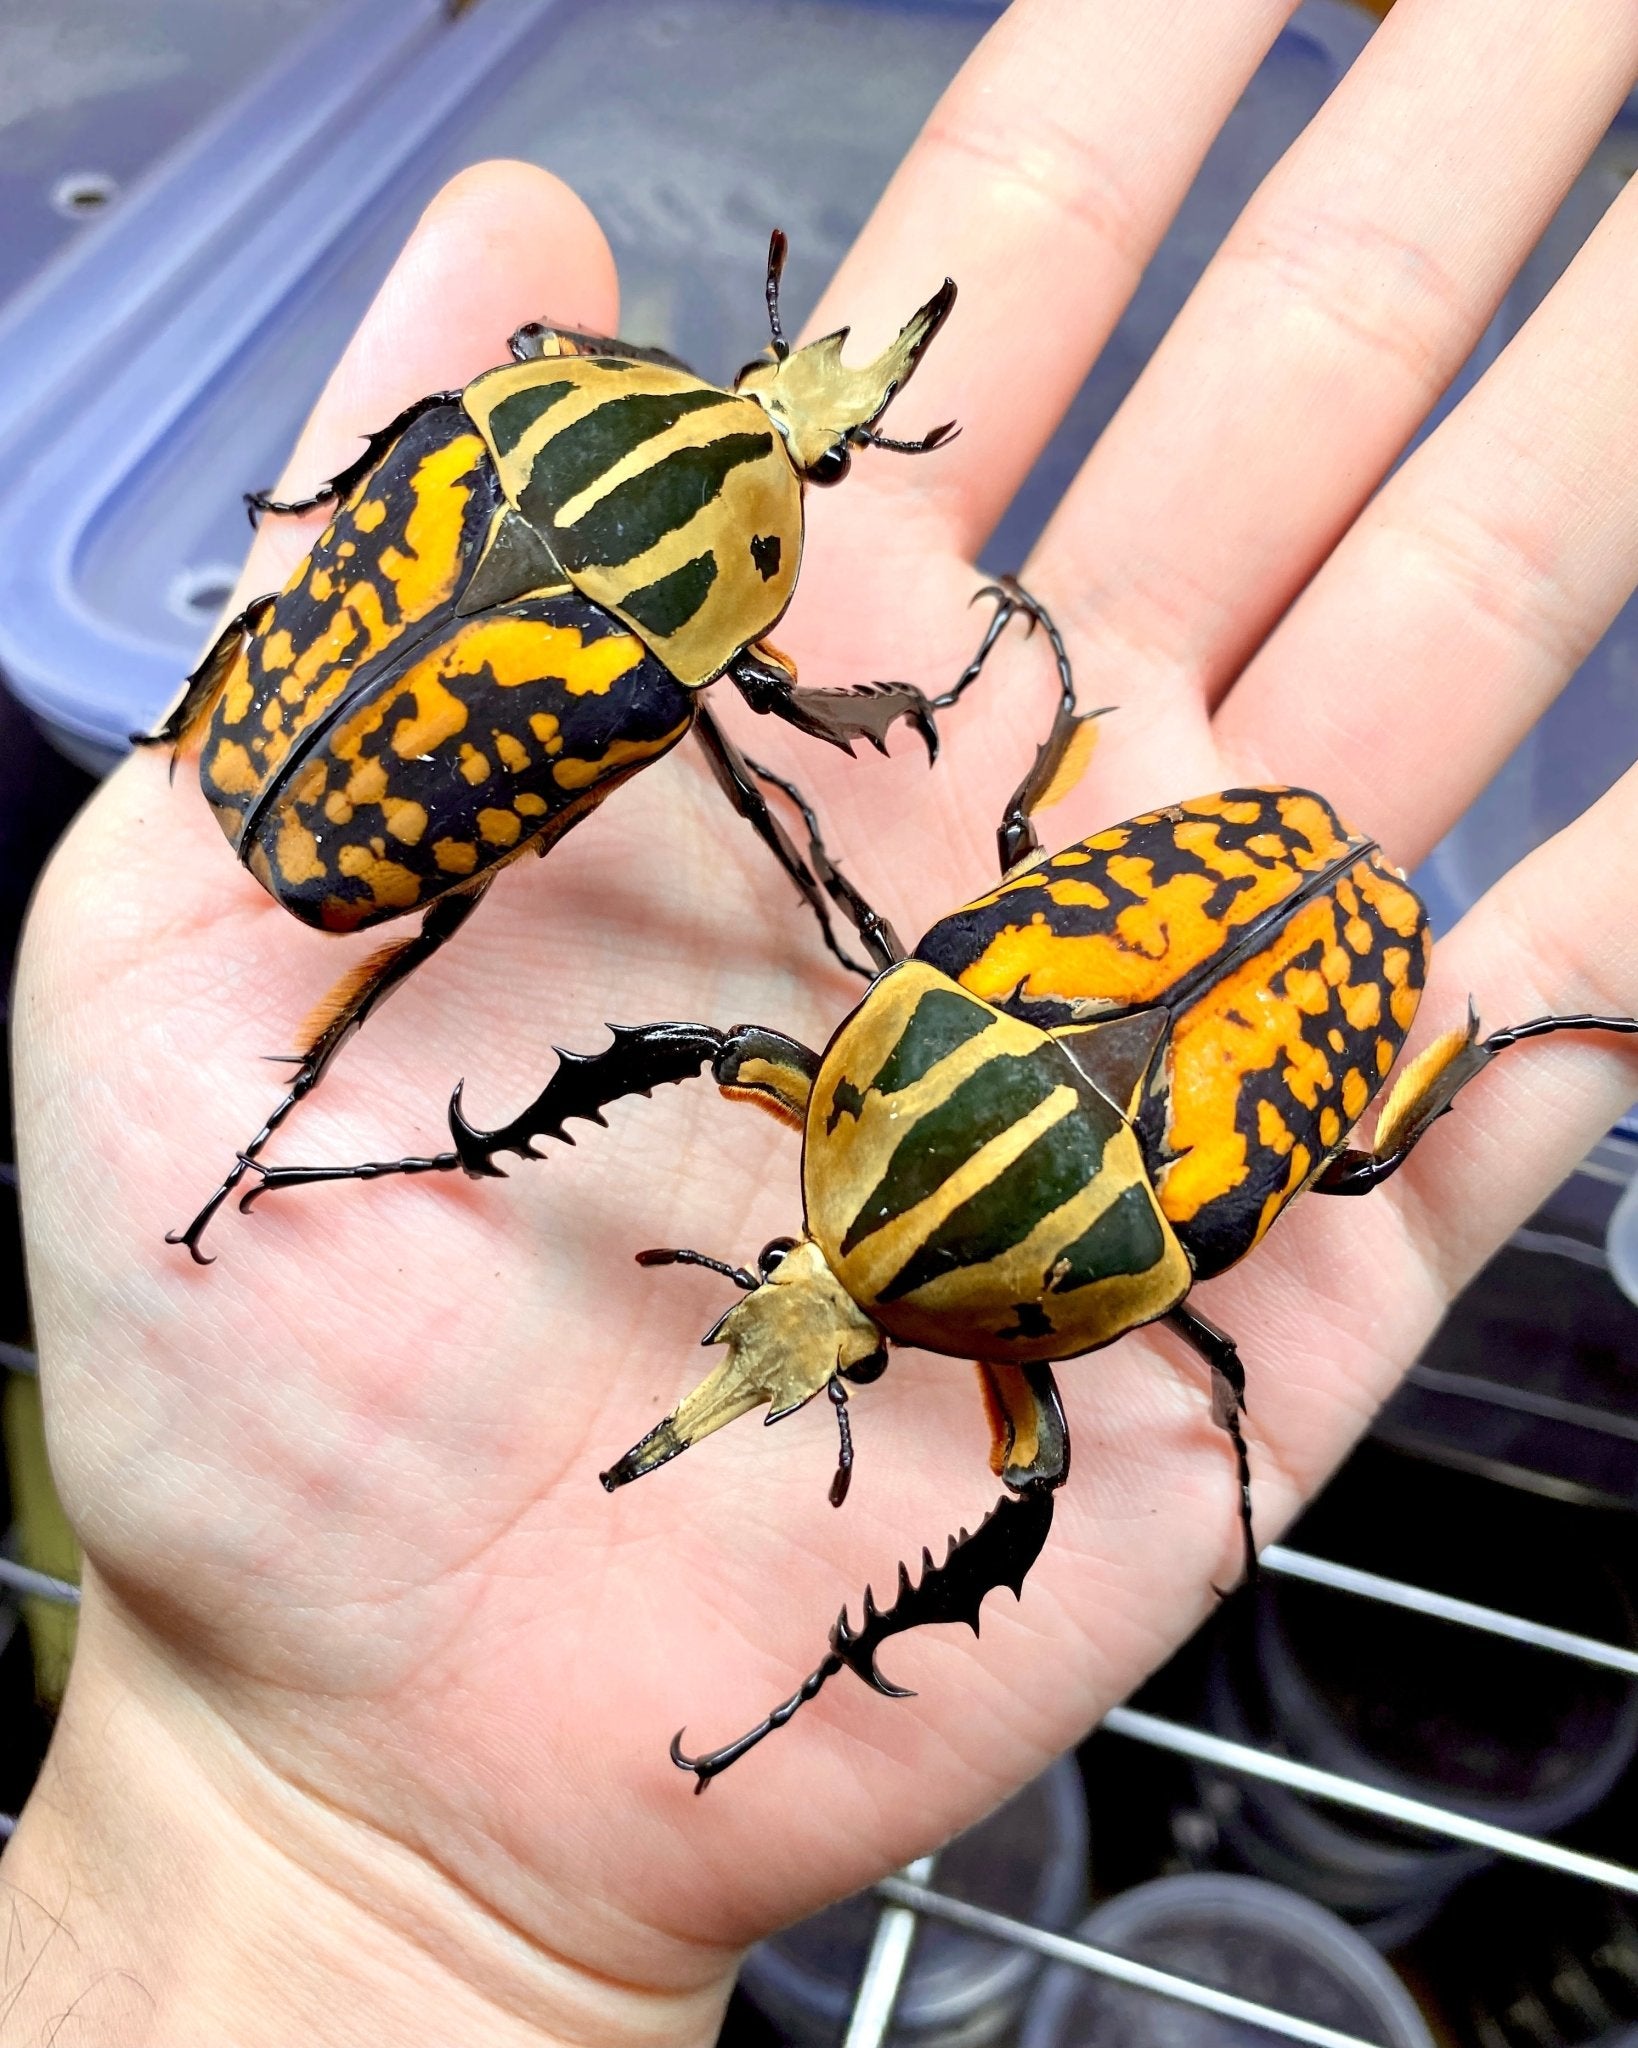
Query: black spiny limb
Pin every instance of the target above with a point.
(1353, 1172)
(999, 1552)
(734, 777)
(1011, 599)
(868, 711)
(640, 1059)
(345, 481)
(1228, 1405)
(865, 711)
(1061, 757)
(348, 1008)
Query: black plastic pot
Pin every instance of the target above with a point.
(1501, 1732)
(1235, 1934)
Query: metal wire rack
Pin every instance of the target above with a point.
(910, 1895)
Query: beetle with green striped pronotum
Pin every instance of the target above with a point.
(523, 591)
(1084, 1092)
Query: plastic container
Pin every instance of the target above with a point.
(172, 373)
(1235, 1934)
(1028, 1859)
(1495, 1730)
(1532, 1379)
(1388, 1882)
(97, 90)
(165, 366)
(1622, 1242)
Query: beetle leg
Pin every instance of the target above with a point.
(866, 711)
(535, 341)
(342, 1012)
(1228, 1404)
(1029, 1439)
(999, 1552)
(345, 480)
(205, 685)
(1427, 1089)
(1061, 759)
(1011, 599)
(748, 1064)
(880, 941)
(734, 775)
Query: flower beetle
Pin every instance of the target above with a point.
(1085, 1091)
(524, 588)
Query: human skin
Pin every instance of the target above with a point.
(365, 1740)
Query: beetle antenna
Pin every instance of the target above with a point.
(778, 249)
(844, 1458)
(680, 1257)
(937, 438)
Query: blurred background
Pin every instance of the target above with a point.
(200, 197)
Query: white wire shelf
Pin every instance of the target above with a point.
(908, 1896)
(33, 1585)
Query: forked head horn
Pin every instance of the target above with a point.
(818, 403)
(787, 1340)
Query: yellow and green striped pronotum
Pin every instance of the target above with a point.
(973, 1188)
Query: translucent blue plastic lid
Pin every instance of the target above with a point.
(166, 365)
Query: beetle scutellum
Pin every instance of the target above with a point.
(525, 587)
(1087, 1090)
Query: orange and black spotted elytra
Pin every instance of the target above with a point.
(523, 589)
(1087, 1090)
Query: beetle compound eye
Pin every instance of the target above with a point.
(867, 1369)
(832, 466)
(772, 1255)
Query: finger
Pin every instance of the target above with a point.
(1468, 592)
(500, 244)
(1555, 936)
(1042, 183)
(1346, 296)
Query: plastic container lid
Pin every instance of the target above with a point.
(172, 372)
(1028, 1859)
(1235, 1934)
(166, 366)
(97, 90)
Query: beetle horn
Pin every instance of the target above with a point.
(871, 389)
(820, 400)
(786, 1340)
(858, 398)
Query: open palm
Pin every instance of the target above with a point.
(339, 1493)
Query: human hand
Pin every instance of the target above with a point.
(367, 1731)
